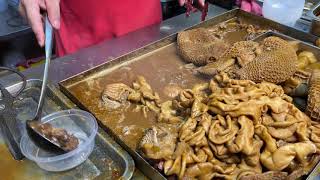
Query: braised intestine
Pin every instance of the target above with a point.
(235, 129)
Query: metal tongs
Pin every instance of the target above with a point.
(34, 133)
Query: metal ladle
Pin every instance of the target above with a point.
(36, 136)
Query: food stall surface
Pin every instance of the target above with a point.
(91, 57)
(88, 58)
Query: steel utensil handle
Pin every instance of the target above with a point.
(48, 51)
(48, 40)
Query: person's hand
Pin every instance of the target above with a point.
(182, 2)
(30, 9)
(250, 6)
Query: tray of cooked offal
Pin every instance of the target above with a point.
(234, 97)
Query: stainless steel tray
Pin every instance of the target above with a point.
(107, 161)
(314, 11)
(161, 65)
(315, 20)
(310, 4)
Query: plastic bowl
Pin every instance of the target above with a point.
(77, 122)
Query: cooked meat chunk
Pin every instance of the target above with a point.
(274, 66)
(277, 62)
(114, 95)
(240, 54)
(200, 46)
(159, 142)
(60, 136)
(313, 108)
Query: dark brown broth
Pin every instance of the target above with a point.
(160, 69)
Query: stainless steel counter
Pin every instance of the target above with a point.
(12, 24)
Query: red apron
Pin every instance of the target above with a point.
(84, 22)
